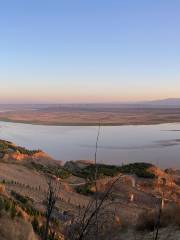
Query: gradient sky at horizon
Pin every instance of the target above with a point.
(89, 51)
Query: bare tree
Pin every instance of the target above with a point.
(95, 180)
(96, 211)
(51, 199)
(96, 217)
(160, 209)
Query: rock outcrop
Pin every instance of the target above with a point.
(11, 153)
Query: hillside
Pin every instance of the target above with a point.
(136, 189)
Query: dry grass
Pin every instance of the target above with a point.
(16, 229)
(170, 217)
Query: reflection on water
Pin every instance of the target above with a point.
(159, 144)
(156, 144)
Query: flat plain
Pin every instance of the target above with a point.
(82, 116)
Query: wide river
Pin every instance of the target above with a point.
(158, 144)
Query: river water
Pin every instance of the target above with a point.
(158, 144)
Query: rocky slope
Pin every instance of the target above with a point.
(11, 153)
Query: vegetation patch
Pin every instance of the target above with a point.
(6, 147)
(9, 206)
(169, 216)
(102, 170)
(26, 204)
(21, 198)
(23, 150)
(57, 171)
(85, 189)
(139, 169)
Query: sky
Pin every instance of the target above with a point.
(58, 51)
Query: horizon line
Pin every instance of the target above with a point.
(90, 102)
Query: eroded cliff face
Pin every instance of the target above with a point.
(14, 157)
(20, 158)
(17, 156)
(11, 153)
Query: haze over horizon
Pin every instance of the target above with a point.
(96, 51)
(155, 102)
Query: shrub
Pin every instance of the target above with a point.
(58, 171)
(85, 189)
(1, 204)
(21, 198)
(19, 214)
(147, 221)
(32, 211)
(9, 206)
(170, 216)
(35, 224)
(139, 169)
(13, 211)
(103, 170)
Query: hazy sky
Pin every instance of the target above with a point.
(89, 50)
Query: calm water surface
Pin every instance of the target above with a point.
(158, 144)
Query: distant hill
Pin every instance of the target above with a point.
(169, 102)
(162, 103)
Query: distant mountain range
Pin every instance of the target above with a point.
(162, 103)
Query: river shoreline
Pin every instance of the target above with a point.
(87, 124)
